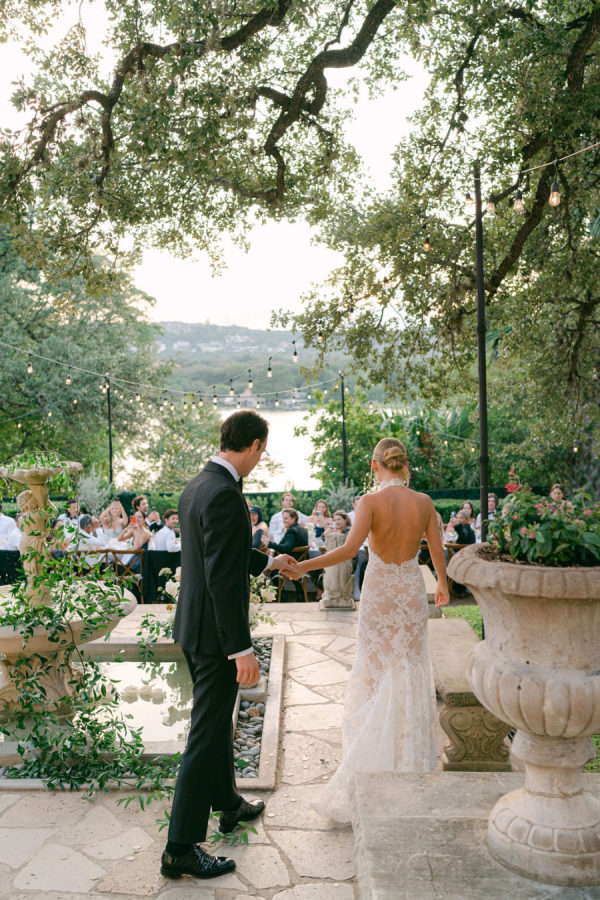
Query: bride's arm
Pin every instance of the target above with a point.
(436, 551)
(355, 538)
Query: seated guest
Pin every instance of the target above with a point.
(88, 539)
(276, 526)
(468, 508)
(464, 532)
(557, 493)
(320, 517)
(7, 523)
(294, 535)
(166, 539)
(492, 508)
(341, 522)
(353, 510)
(152, 518)
(137, 530)
(260, 529)
(113, 520)
(70, 519)
(12, 538)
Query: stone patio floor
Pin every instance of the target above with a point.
(64, 846)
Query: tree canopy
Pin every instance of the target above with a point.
(213, 113)
(517, 85)
(94, 334)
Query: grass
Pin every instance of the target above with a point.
(473, 616)
(471, 613)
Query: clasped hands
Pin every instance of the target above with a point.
(287, 565)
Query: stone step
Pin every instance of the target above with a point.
(423, 837)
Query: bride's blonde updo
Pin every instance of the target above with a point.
(391, 453)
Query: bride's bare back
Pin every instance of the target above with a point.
(399, 519)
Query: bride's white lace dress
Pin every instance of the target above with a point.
(388, 720)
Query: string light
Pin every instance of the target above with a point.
(258, 404)
(193, 403)
(270, 370)
(75, 401)
(320, 334)
(231, 390)
(238, 404)
(427, 245)
(49, 413)
(19, 424)
(214, 396)
(324, 392)
(276, 399)
(250, 382)
(68, 378)
(575, 449)
(469, 203)
(491, 207)
(200, 401)
(554, 199)
(295, 354)
(518, 205)
(29, 365)
(172, 406)
(185, 406)
(309, 396)
(138, 397)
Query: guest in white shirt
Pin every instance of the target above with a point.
(12, 538)
(492, 508)
(7, 523)
(276, 527)
(88, 539)
(166, 539)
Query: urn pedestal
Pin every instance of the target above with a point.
(538, 669)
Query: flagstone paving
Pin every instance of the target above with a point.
(64, 847)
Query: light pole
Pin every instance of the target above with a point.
(481, 355)
(344, 448)
(110, 448)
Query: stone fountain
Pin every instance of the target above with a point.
(49, 660)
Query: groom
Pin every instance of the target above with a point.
(211, 626)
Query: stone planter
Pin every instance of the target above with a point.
(538, 669)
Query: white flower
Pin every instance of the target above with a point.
(172, 589)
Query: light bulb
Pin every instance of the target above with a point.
(426, 245)
(491, 207)
(269, 370)
(258, 404)
(200, 403)
(193, 404)
(320, 334)
(575, 449)
(29, 367)
(75, 401)
(276, 399)
(49, 413)
(250, 382)
(309, 396)
(138, 397)
(554, 199)
(295, 355)
(19, 424)
(68, 378)
(238, 404)
(324, 392)
(518, 205)
(172, 406)
(472, 449)
(185, 406)
(214, 399)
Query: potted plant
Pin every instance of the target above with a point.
(537, 582)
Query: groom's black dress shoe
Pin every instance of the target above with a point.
(243, 813)
(197, 863)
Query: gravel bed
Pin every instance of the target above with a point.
(248, 733)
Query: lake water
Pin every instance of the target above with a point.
(291, 452)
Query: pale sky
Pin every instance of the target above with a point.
(186, 290)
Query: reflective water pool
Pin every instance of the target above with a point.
(158, 695)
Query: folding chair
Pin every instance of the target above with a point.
(300, 554)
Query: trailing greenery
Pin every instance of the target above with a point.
(539, 530)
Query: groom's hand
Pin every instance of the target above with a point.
(284, 562)
(247, 670)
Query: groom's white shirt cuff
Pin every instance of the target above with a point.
(233, 471)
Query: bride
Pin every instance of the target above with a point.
(388, 709)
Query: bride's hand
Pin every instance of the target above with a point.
(442, 597)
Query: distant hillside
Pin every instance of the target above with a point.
(208, 354)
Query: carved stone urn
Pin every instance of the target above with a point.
(337, 580)
(538, 669)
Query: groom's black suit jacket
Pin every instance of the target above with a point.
(216, 560)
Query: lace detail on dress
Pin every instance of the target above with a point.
(388, 712)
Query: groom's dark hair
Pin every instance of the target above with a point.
(243, 428)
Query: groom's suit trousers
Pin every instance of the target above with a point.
(206, 776)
